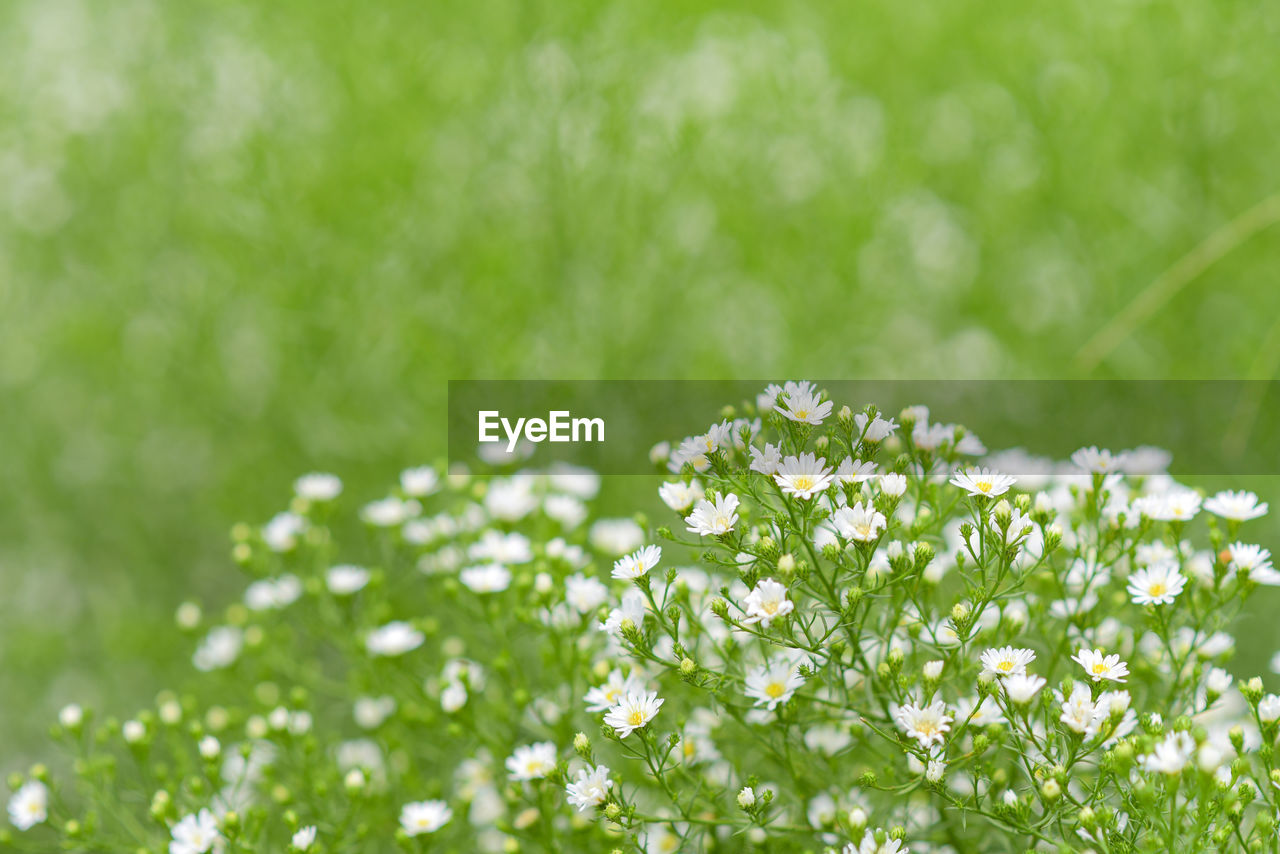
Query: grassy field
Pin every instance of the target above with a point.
(239, 241)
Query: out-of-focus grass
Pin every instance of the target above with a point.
(243, 240)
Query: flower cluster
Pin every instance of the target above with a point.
(851, 632)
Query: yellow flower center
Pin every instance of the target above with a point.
(769, 607)
(800, 413)
(1005, 666)
(803, 482)
(984, 485)
(1157, 589)
(636, 719)
(775, 690)
(1099, 667)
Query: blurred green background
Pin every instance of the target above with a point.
(239, 241)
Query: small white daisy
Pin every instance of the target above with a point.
(195, 834)
(861, 523)
(1022, 688)
(590, 789)
(304, 838)
(714, 518)
(802, 404)
(772, 684)
(424, 817)
(803, 476)
(637, 563)
(1236, 506)
(927, 725)
(532, 761)
(1156, 585)
(318, 486)
(1007, 661)
(633, 712)
(767, 601)
(983, 483)
(488, 578)
(395, 638)
(1099, 666)
(29, 805)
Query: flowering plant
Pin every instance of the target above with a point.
(853, 633)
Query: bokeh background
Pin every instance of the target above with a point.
(239, 241)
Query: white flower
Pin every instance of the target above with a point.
(803, 476)
(304, 838)
(453, 697)
(877, 842)
(1023, 687)
(933, 669)
(395, 638)
(388, 512)
(713, 519)
(1254, 560)
(801, 403)
(616, 536)
(1007, 661)
(1101, 667)
(370, 712)
(1237, 506)
(345, 579)
(604, 697)
(220, 648)
(318, 486)
(1218, 680)
(935, 770)
(1177, 505)
(71, 716)
(281, 533)
(29, 805)
(1098, 461)
(489, 578)
(590, 789)
(680, 496)
(1078, 711)
(532, 761)
(877, 431)
(983, 483)
(1156, 585)
(893, 485)
(861, 523)
(1169, 756)
(424, 817)
(511, 499)
(133, 731)
(497, 547)
(270, 594)
(927, 725)
(766, 461)
(854, 471)
(637, 563)
(633, 711)
(583, 593)
(1269, 709)
(772, 684)
(195, 834)
(632, 608)
(766, 601)
(565, 509)
(420, 481)
(209, 747)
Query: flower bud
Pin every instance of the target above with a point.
(746, 798)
